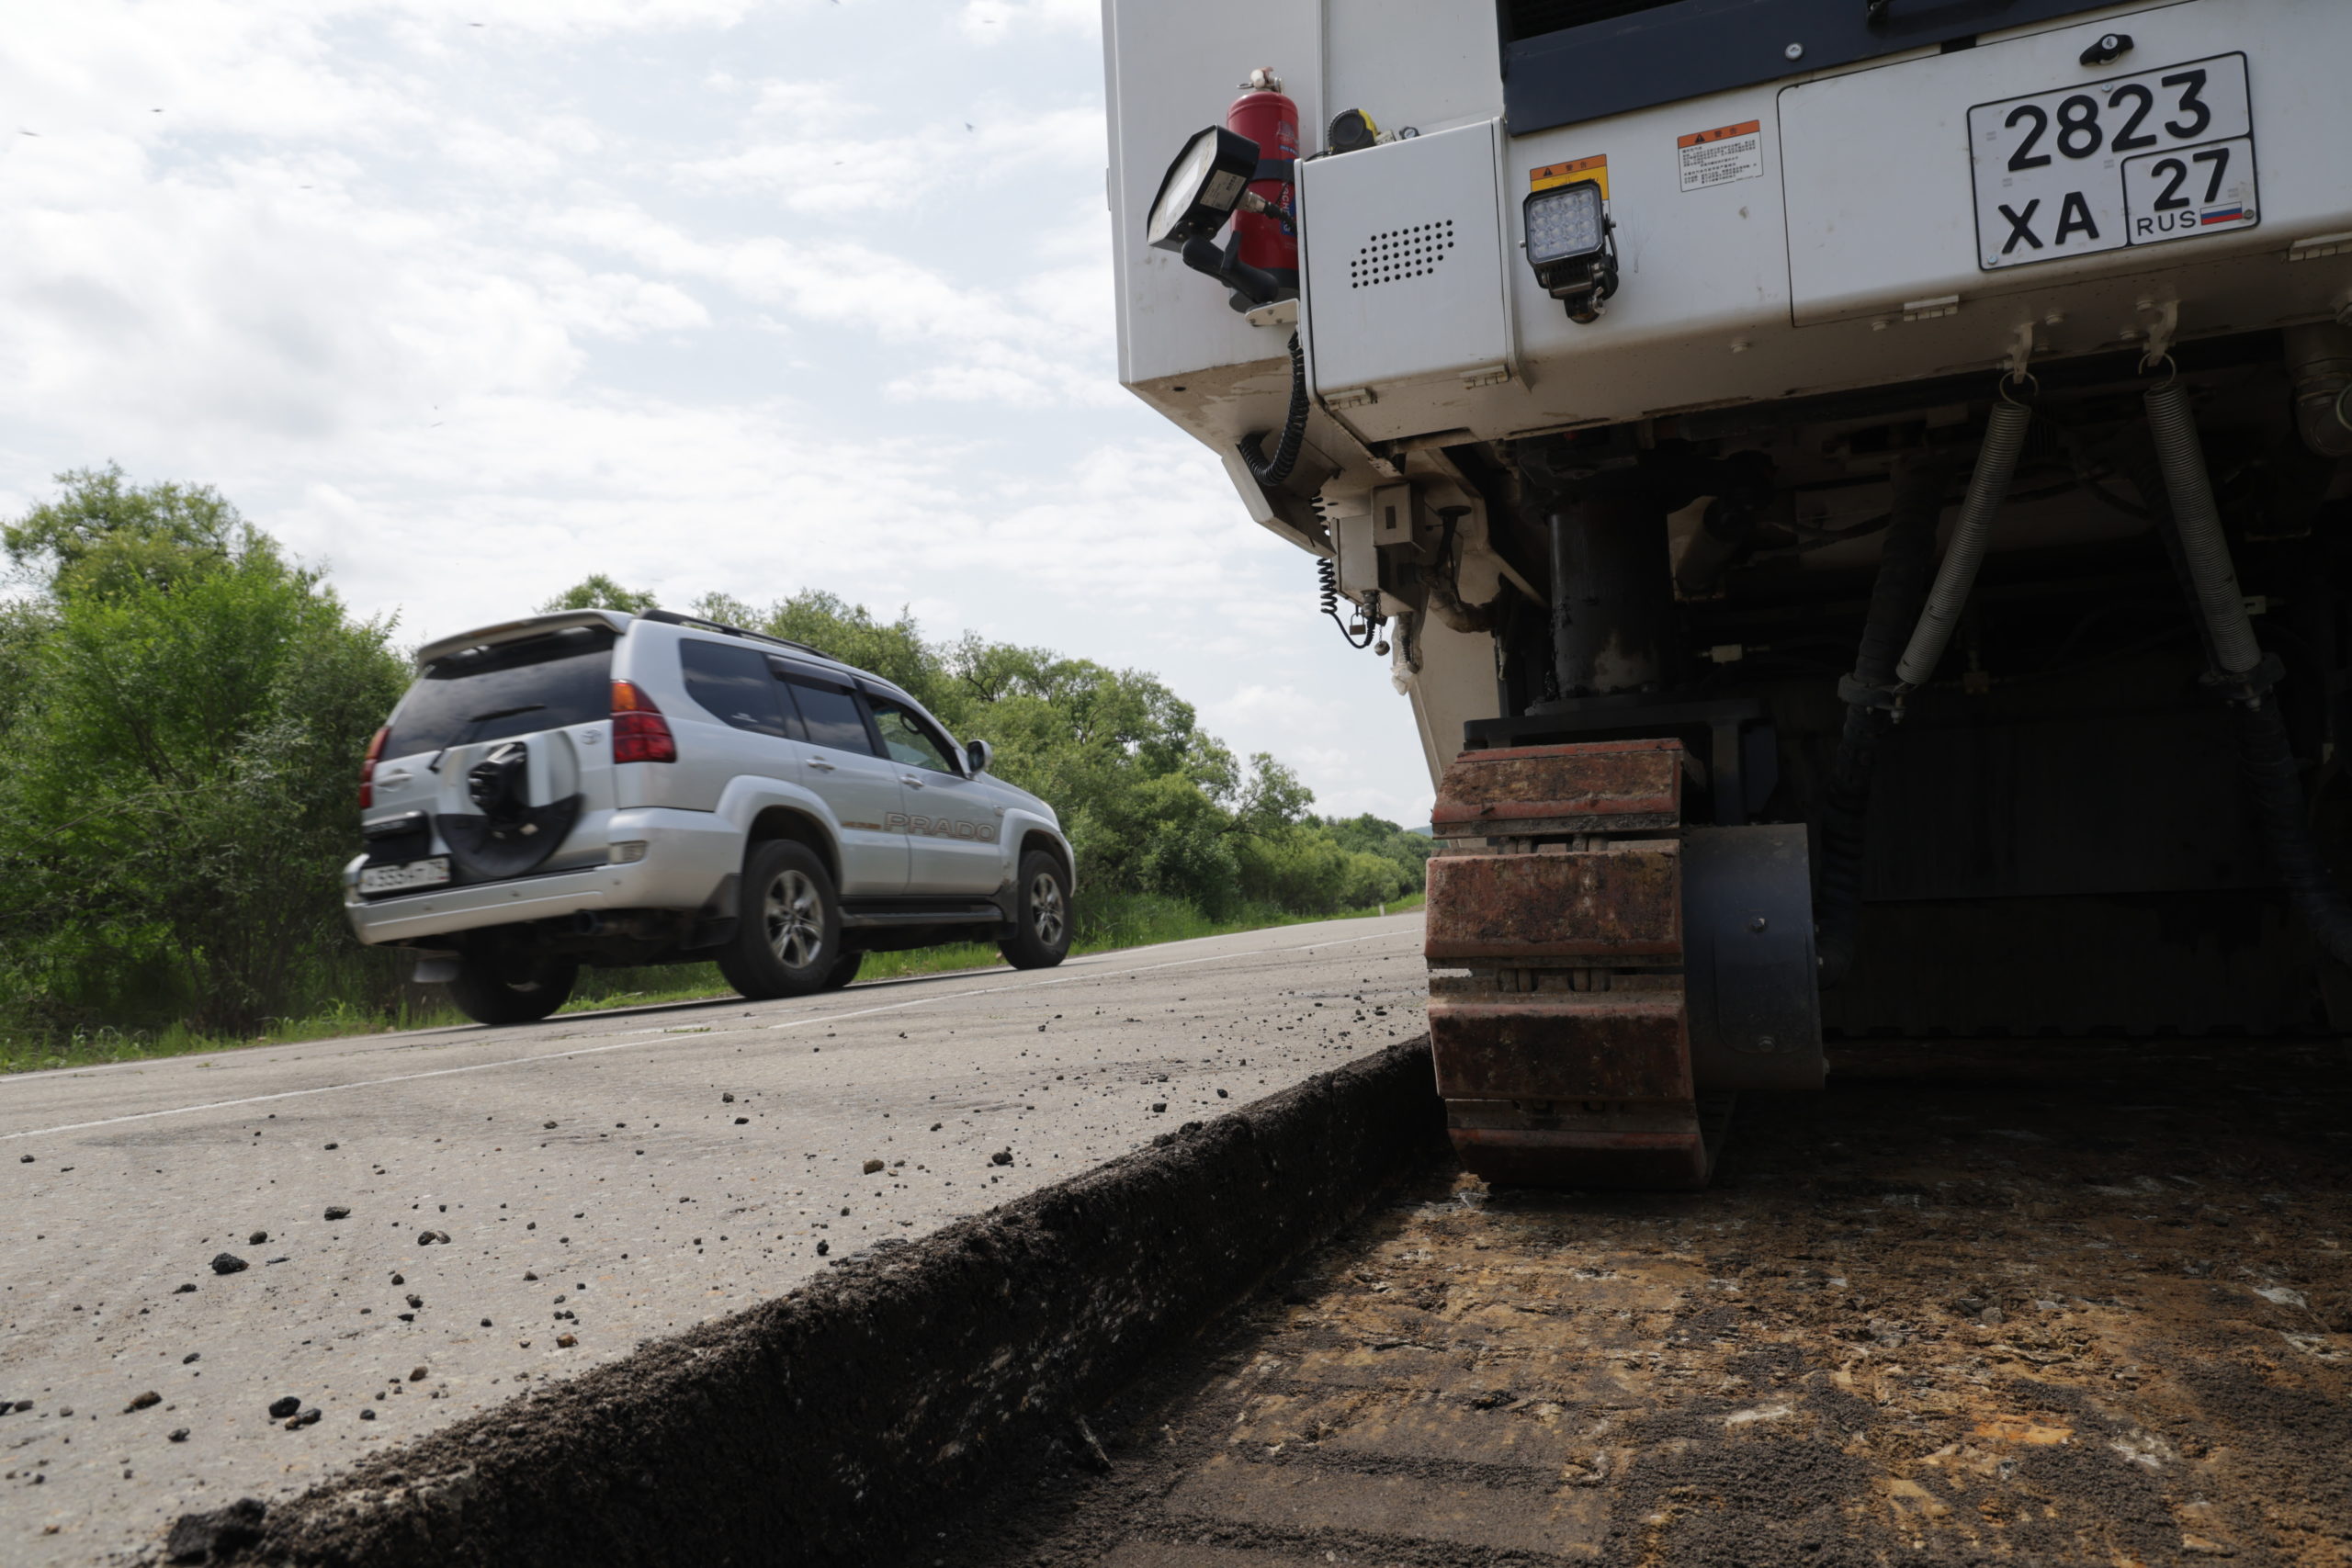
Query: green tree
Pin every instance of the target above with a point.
(102, 533)
(598, 592)
(177, 790)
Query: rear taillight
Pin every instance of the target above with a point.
(639, 732)
(368, 769)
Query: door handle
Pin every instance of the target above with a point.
(392, 781)
(910, 783)
(820, 762)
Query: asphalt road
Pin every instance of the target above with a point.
(608, 1178)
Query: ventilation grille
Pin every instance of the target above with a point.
(1401, 254)
(1532, 18)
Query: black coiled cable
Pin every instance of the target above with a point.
(1327, 573)
(1275, 469)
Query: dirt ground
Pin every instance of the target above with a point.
(2012, 1301)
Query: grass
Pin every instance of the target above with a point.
(1136, 921)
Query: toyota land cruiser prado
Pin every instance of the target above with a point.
(595, 787)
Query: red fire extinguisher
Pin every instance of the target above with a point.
(1265, 115)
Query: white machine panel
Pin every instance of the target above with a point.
(1169, 71)
(1913, 213)
(1404, 265)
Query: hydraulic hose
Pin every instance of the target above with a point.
(2197, 523)
(1988, 486)
(2274, 782)
(1901, 583)
(1275, 469)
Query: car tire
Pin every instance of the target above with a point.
(844, 971)
(495, 986)
(1041, 914)
(788, 938)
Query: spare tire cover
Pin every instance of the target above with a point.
(506, 836)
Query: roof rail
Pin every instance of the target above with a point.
(673, 618)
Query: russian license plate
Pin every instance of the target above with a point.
(2163, 154)
(406, 875)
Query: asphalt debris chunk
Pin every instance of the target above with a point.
(417, 1376)
(872, 1166)
(179, 1435)
(336, 1210)
(147, 1401)
(259, 1238)
(1002, 1156)
(229, 1263)
(279, 1409)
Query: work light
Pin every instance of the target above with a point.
(1203, 186)
(1568, 245)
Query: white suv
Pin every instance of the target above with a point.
(594, 787)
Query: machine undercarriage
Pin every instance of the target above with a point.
(1832, 605)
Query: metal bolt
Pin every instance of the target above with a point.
(1757, 924)
(1795, 51)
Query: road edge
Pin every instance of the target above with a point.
(846, 1420)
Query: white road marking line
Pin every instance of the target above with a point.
(638, 1037)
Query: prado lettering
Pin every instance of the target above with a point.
(943, 828)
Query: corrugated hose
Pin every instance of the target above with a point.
(2265, 752)
(1988, 486)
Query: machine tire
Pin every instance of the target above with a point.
(844, 971)
(787, 939)
(495, 987)
(1041, 914)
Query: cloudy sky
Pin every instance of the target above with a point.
(467, 300)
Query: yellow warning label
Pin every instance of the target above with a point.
(1595, 169)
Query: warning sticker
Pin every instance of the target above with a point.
(1595, 169)
(1722, 156)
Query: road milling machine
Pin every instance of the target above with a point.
(1854, 492)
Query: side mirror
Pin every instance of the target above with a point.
(976, 754)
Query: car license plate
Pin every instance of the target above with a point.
(408, 875)
(2162, 154)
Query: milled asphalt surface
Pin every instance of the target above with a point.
(593, 1178)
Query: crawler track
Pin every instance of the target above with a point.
(2006, 1302)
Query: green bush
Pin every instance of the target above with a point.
(186, 717)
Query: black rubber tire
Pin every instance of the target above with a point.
(791, 949)
(845, 970)
(493, 986)
(1041, 914)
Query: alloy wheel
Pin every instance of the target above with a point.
(794, 920)
(1046, 915)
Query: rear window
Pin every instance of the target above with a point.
(735, 685)
(831, 715)
(507, 689)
